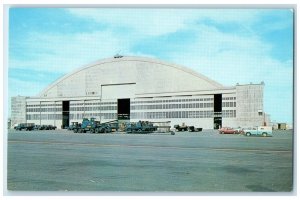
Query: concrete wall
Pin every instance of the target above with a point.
(249, 105)
(18, 110)
(229, 122)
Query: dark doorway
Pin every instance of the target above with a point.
(218, 103)
(123, 109)
(217, 111)
(65, 114)
(217, 122)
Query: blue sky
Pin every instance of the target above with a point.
(228, 45)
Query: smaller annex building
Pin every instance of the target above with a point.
(137, 88)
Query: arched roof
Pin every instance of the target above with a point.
(102, 68)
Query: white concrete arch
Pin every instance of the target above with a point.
(149, 76)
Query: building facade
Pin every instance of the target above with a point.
(136, 88)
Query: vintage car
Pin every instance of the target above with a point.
(259, 131)
(228, 130)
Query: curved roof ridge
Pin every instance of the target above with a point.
(130, 58)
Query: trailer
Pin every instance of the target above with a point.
(140, 127)
(183, 127)
(281, 126)
(193, 129)
(162, 126)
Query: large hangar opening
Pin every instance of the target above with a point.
(65, 113)
(123, 109)
(217, 110)
(122, 92)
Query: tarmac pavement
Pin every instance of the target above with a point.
(185, 162)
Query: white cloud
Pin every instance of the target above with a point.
(230, 58)
(136, 20)
(154, 22)
(67, 51)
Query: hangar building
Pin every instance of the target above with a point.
(137, 88)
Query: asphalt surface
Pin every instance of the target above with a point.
(185, 162)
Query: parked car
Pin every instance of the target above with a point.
(259, 131)
(25, 126)
(51, 127)
(228, 130)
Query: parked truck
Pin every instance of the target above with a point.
(140, 127)
(92, 126)
(259, 131)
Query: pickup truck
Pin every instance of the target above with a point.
(259, 131)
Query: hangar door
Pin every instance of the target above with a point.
(122, 93)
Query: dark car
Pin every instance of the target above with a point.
(228, 130)
(25, 126)
(51, 127)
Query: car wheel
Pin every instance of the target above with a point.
(264, 134)
(248, 134)
(222, 132)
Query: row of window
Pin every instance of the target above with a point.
(174, 114)
(43, 105)
(80, 116)
(94, 103)
(172, 106)
(229, 98)
(43, 116)
(180, 114)
(229, 104)
(172, 100)
(44, 109)
(96, 108)
(228, 113)
(71, 109)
